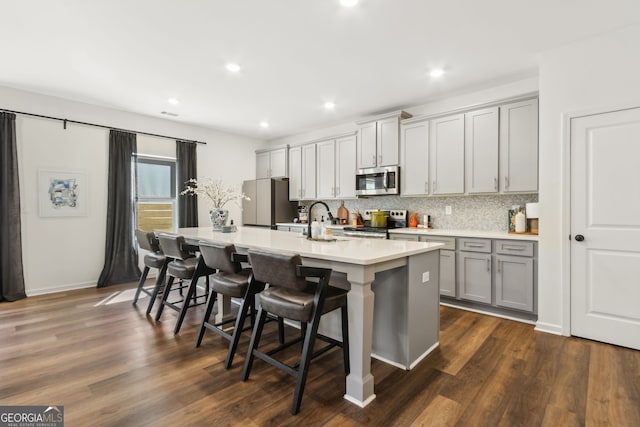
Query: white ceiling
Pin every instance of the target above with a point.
(295, 54)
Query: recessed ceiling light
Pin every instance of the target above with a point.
(436, 72)
(173, 101)
(264, 125)
(329, 105)
(348, 3)
(232, 67)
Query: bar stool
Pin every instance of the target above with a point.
(291, 296)
(233, 281)
(147, 240)
(184, 265)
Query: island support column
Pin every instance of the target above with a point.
(360, 299)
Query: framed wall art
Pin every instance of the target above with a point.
(62, 193)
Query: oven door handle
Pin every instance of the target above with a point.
(385, 180)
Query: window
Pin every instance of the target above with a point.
(155, 193)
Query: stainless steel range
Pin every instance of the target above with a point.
(396, 218)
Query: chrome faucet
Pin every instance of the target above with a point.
(309, 222)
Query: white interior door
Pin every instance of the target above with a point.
(605, 227)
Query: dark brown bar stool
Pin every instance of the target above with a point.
(291, 296)
(154, 259)
(184, 265)
(233, 281)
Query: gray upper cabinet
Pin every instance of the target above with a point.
(367, 152)
(481, 151)
(519, 147)
(379, 141)
(302, 171)
(325, 169)
(295, 173)
(271, 163)
(414, 158)
(345, 167)
(446, 152)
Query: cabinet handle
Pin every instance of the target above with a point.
(434, 185)
(513, 248)
(380, 159)
(488, 265)
(506, 182)
(426, 186)
(374, 159)
(473, 245)
(337, 191)
(499, 262)
(495, 183)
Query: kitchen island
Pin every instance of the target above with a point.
(403, 328)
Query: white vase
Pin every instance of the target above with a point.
(218, 218)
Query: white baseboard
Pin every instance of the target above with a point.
(549, 328)
(489, 313)
(61, 288)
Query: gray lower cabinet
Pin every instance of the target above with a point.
(474, 276)
(447, 273)
(514, 282)
(515, 275)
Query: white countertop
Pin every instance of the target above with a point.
(344, 249)
(465, 233)
(299, 224)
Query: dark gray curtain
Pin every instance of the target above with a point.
(120, 258)
(11, 275)
(186, 156)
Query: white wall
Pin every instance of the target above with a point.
(68, 252)
(597, 74)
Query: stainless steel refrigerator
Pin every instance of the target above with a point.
(269, 202)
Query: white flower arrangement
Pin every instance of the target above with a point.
(215, 190)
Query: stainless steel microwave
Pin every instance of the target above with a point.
(378, 181)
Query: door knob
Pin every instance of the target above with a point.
(579, 237)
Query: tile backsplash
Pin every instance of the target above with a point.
(486, 212)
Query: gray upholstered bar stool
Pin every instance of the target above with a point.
(291, 296)
(232, 281)
(184, 265)
(148, 241)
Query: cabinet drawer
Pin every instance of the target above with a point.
(474, 245)
(510, 247)
(409, 237)
(449, 242)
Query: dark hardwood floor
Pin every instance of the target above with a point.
(112, 365)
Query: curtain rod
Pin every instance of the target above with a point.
(65, 121)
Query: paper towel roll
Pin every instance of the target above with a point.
(532, 210)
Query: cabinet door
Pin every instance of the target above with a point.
(262, 165)
(474, 276)
(308, 182)
(295, 173)
(367, 157)
(414, 165)
(519, 147)
(481, 150)
(346, 167)
(387, 146)
(514, 282)
(446, 145)
(325, 169)
(278, 163)
(447, 273)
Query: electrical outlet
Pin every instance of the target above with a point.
(425, 277)
(447, 210)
